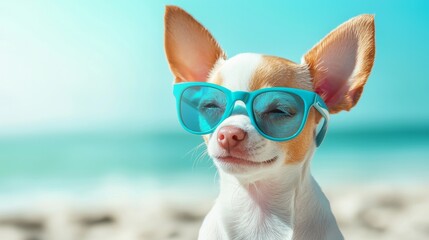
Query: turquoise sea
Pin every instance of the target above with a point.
(163, 159)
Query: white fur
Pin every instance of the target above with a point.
(237, 71)
(267, 202)
(286, 203)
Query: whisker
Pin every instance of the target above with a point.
(195, 155)
(215, 176)
(201, 156)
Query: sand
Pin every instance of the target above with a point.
(363, 212)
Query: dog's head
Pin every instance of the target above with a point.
(336, 68)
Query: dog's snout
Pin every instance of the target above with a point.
(229, 136)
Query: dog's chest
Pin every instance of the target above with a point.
(246, 217)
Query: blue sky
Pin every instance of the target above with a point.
(97, 65)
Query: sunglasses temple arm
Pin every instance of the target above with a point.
(323, 110)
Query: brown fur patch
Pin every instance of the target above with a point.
(280, 72)
(298, 147)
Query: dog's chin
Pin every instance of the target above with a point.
(242, 166)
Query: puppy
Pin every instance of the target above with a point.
(262, 118)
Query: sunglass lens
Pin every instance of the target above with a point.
(278, 114)
(202, 108)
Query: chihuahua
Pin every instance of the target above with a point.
(262, 118)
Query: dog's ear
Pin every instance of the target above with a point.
(191, 50)
(341, 63)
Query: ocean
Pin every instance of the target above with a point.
(157, 160)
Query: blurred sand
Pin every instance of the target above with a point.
(363, 212)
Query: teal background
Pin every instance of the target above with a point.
(86, 95)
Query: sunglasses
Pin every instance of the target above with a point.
(277, 113)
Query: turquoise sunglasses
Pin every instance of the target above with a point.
(278, 113)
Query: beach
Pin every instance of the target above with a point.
(362, 211)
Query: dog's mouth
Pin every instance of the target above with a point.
(241, 161)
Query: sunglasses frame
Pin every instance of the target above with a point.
(310, 99)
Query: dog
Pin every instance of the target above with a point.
(260, 118)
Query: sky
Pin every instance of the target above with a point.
(100, 65)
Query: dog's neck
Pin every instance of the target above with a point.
(284, 205)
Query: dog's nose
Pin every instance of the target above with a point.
(229, 136)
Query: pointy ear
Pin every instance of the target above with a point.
(341, 63)
(191, 50)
